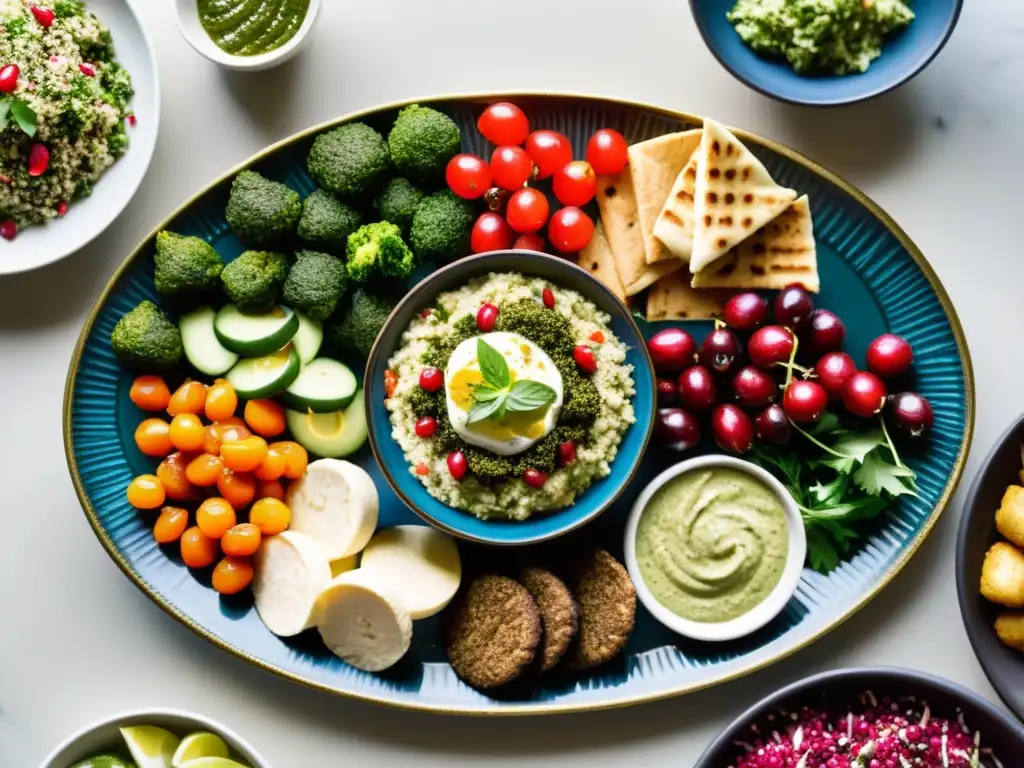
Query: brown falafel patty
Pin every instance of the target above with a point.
(558, 612)
(607, 603)
(493, 632)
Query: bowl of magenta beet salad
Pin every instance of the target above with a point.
(510, 397)
(882, 717)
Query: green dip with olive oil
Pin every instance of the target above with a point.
(712, 544)
(251, 27)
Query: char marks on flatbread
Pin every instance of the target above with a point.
(597, 259)
(672, 298)
(674, 225)
(620, 220)
(655, 165)
(780, 253)
(734, 196)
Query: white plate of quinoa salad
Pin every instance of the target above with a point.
(79, 113)
(511, 463)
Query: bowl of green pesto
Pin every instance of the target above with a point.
(247, 35)
(825, 52)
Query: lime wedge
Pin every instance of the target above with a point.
(211, 762)
(151, 747)
(199, 744)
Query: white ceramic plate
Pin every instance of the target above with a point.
(37, 246)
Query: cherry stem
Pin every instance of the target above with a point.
(792, 360)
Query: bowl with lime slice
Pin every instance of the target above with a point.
(155, 738)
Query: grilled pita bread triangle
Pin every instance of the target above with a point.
(672, 298)
(655, 165)
(780, 253)
(597, 259)
(674, 225)
(733, 198)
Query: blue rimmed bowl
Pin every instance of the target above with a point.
(904, 55)
(542, 526)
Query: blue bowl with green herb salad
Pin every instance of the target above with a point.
(825, 52)
(536, 389)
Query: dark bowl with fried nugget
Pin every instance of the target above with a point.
(1003, 665)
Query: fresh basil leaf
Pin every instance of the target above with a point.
(5, 110)
(492, 365)
(484, 393)
(484, 410)
(529, 395)
(24, 116)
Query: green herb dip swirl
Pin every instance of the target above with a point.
(251, 27)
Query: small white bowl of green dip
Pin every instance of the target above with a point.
(715, 547)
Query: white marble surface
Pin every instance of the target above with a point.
(77, 640)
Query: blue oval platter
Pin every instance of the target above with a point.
(871, 274)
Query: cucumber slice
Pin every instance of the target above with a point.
(255, 335)
(258, 377)
(330, 435)
(324, 385)
(202, 348)
(308, 338)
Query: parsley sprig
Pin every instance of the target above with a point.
(839, 478)
(18, 110)
(497, 395)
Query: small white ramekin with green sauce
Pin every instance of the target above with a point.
(247, 35)
(715, 547)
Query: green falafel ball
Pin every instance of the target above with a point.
(314, 284)
(441, 227)
(146, 339)
(186, 267)
(327, 221)
(253, 280)
(397, 203)
(422, 141)
(349, 160)
(377, 251)
(261, 212)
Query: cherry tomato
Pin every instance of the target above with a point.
(187, 432)
(511, 167)
(271, 516)
(173, 474)
(215, 517)
(204, 470)
(607, 152)
(270, 489)
(468, 176)
(197, 549)
(146, 492)
(241, 541)
(153, 437)
(244, 455)
(239, 488)
(150, 393)
(231, 575)
(296, 456)
(169, 526)
(570, 229)
(265, 417)
(273, 465)
(491, 233)
(503, 123)
(575, 183)
(224, 432)
(532, 242)
(527, 210)
(221, 401)
(549, 151)
(190, 397)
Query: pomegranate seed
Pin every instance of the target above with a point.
(38, 160)
(8, 229)
(584, 357)
(9, 78)
(43, 15)
(426, 427)
(457, 464)
(597, 337)
(566, 453)
(422, 469)
(54, 59)
(132, 120)
(87, 69)
(486, 317)
(549, 298)
(62, 207)
(425, 313)
(534, 478)
(431, 379)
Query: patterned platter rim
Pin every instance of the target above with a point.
(538, 708)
